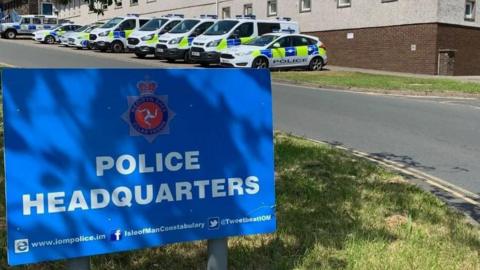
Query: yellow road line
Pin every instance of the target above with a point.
(458, 192)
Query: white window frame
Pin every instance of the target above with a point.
(246, 7)
(344, 3)
(118, 4)
(270, 12)
(303, 7)
(229, 12)
(472, 5)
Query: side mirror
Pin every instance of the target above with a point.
(276, 45)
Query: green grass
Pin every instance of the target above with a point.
(357, 80)
(334, 211)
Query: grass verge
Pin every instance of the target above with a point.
(335, 211)
(374, 82)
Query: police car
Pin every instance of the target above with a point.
(53, 36)
(176, 43)
(224, 34)
(278, 50)
(113, 34)
(27, 25)
(81, 39)
(64, 38)
(144, 40)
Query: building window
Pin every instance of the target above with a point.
(272, 8)
(344, 3)
(305, 5)
(247, 9)
(470, 10)
(118, 3)
(387, 1)
(133, 2)
(226, 13)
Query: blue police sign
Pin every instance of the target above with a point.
(102, 161)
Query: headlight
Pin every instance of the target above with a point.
(243, 53)
(104, 34)
(149, 37)
(214, 43)
(175, 40)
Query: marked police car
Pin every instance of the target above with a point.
(224, 34)
(81, 39)
(53, 36)
(27, 25)
(278, 50)
(64, 38)
(144, 40)
(113, 34)
(176, 43)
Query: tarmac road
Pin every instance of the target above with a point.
(438, 136)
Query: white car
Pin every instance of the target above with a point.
(64, 38)
(53, 36)
(278, 50)
(81, 39)
(144, 40)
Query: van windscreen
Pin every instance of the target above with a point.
(220, 28)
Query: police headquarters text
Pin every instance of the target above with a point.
(127, 196)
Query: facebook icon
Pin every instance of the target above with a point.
(116, 235)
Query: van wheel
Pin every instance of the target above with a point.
(117, 47)
(260, 62)
(186, 57)
(49, 39)
(10, 34)
(140, 55)
(316, 64)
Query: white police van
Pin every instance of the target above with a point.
(143, 41)
(278, 50)
(114, 33)
(53, 36)
(81, 39)
(176, 44)
(27, 25)
(224, 34)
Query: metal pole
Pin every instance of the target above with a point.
(217, 254)
(79, 264)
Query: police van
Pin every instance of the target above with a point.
(278, 50)
(114, 33)
(176, 43)
(224, 34)
(143, 41)
(27, 25)
(81, 39)
(53, 36)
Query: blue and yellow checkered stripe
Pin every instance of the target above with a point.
(301, 51)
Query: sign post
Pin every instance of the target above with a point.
(217, 254)
(101, 161)
(78, 264)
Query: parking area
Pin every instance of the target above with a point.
(26, 52)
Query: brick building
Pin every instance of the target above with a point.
(419, 36)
